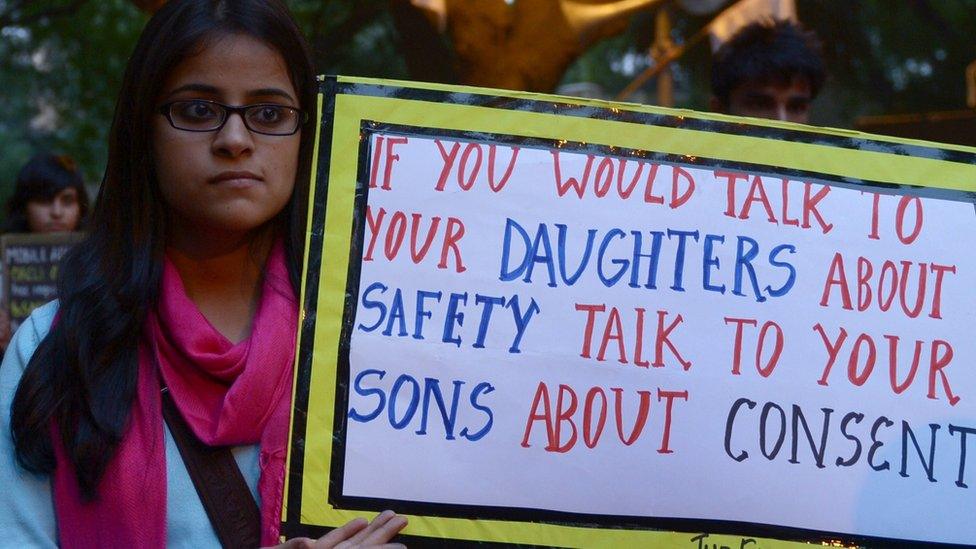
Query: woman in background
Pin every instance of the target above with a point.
(49, 197)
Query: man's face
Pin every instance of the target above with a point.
(773, 100)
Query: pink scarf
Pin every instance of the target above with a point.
(229, 394)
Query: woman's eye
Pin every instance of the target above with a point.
(198, 110)
(269, 114)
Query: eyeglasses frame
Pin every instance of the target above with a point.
(165, 108)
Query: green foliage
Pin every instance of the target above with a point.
(60, 76)
(60, 73)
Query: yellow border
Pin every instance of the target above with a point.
(351, 110)
(638, 107)
(301, 300)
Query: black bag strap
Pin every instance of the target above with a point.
(223, 491)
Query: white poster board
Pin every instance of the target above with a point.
(575, 332)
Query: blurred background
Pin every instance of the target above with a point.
(893, 64)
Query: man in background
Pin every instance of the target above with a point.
(770, 71)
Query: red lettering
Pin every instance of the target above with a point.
(541, 398)
(391, 158)
(664, 338)
(810, 207)
(639, 345)
(837, 277)
(899, 388)
(562, 187)
(888, 271)
(374, 167)
(643, 409)
(448, 158)
(852, 375)
(604, 177)
(564, 414)
(415, 254)
(939, 271)
(666, 436)
(589, 437)
(786, 205)
(916, 310)
(591, 311)
(833, 349)
(873, 235)
(731, 178)
(455, 231)
(757, 193)
(676, 200)
(777, 348)
(394, 234)
(613, 331)
(373, 224)
(864, 272)
(737, 346)
(937, 364)
(900, 219)
(491, 169)
(625, 193)
(467, 184)
(649, 195)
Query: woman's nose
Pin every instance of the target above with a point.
(234, 139)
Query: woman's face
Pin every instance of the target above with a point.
(58, 215)
(233, 180)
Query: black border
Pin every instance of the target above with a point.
(330, 89)
(303, 363)
(857, 141)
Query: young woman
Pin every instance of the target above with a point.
(49, 197)
(184, 289)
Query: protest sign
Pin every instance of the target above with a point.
(546, 321)
(30, 270)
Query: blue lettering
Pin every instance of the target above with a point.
(358, 387)
(422, 312)
(370, 304)
(608, 282)
(590, 236)
(411, 407)
(743, 262)
(521, 320)
(433, 387)
(710, 261)
(489, 303)
(653, 256)
(542, 240)
(454, 317)
(791, 279)
(679, 258)
(482, 388)
(506, 274)
(396, 313)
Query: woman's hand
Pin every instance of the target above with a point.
(357, 533)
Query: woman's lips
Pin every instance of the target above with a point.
(236, 179)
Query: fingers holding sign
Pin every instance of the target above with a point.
(357, 534)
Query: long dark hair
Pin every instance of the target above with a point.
(83, 374)
(42, 178)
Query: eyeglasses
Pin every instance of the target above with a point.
(200, 115)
